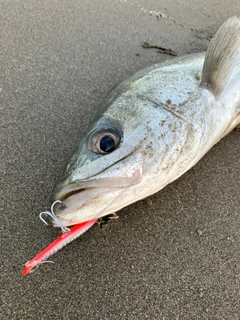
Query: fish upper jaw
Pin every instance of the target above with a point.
(123, 173)
(133, 178)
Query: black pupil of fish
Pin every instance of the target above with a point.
(107, 144)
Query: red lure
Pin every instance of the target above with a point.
(57, 244)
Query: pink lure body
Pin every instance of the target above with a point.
(57, 244)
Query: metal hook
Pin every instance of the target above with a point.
(54, 217)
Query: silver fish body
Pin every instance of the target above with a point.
(155, 126)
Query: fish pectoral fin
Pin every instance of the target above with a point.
(221, 57)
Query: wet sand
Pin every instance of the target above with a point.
(173, 256)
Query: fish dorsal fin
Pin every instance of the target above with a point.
(221, 56)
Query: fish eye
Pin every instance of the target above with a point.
(103, 141)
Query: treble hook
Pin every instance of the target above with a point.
(54, 217)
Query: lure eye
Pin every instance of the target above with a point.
(103, 141)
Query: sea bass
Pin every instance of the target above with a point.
(154, 127)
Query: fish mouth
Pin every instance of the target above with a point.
(115, 182)
(86, 200)
(88, 204)
(82, 205)
(89, 198)
(65, 195)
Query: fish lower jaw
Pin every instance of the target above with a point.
(86, 204)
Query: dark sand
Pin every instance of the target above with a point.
(176, 259)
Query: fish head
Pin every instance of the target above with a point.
(132, 147)
(109, 162)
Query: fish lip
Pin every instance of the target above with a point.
(64, 196)
(83, 185)
(111, 183)
(71, 189)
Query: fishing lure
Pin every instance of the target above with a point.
(68, 235)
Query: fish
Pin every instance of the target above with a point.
(151, 129)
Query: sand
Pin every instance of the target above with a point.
(173, 256)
